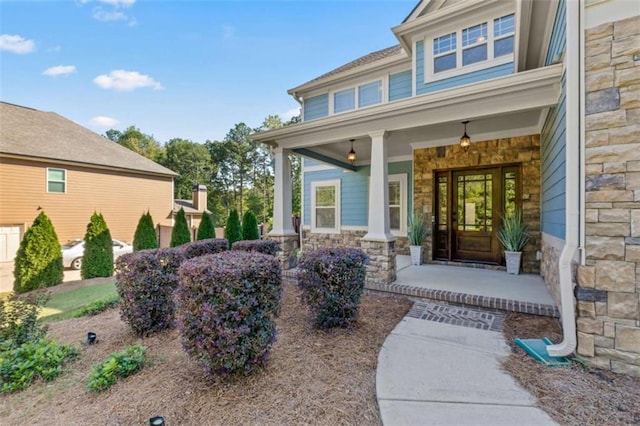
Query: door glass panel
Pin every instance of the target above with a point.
(509, 193)
(474, 202)
(442, 203)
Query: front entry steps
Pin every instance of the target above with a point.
(456, 315)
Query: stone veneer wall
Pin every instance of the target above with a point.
(551, 248)
(524, 150)
(312, 241)
(609, 284)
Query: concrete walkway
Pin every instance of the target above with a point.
(431, 373)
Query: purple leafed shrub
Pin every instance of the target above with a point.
(226, 308)
(145, 281)
(332, 280)
(202, 247)
(269, 247)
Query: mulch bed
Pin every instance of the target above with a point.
(313, 376)
(576, 395)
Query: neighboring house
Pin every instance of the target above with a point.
(193, 209)
(49, 162)
(551, 93)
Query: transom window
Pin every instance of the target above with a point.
(361, 96)
(56, 180)
(481, 43)
(325, 206)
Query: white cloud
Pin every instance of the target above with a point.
(286, 116)
(102, 121)
(16, 44)
(60, 70)
(126, 81)
(104, 16)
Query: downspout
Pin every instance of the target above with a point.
(574, 57)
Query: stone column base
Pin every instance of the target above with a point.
(382, 266)
(287, 254)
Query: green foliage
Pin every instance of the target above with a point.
(19, 321)
(418, 231)
(233, 230)
(191, 161)
(38, 262)
(206, 229)
(118, 366)
(514, 233)
(98, 306)
(145, 236)
(250, 226)
(180, 233)
(138, 142)
(42, 359)
(98, 249)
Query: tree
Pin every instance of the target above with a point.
(180, 233)
(137, 141)
(145, 236)
(250, 226)
(206, 229)
(97, 260)
(38, 261)
(192, 161)
(233, 230)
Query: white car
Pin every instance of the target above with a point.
(73, 251)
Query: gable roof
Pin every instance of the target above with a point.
(38, 134)
(368, 59)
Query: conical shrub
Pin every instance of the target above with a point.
(233, 230)
(38, 262)
(145, 236)
(97, 260)
(206, 229)
(180, 233)
(250, 226)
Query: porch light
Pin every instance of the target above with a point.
(465, 140)
(351, 156)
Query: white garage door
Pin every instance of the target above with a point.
(9, 242)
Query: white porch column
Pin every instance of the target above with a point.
(282, 225)
(379, 223)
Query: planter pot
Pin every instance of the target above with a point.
(513, 259)
(416, 254)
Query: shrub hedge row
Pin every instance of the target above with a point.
(269, 247)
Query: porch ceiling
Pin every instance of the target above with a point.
(503, 107)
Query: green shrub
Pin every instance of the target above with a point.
(41, 359)
(145, 236)
(269, 247)
(233, 230)
(226, 306)
(250, 226)
(97, 260)
(118, 366)
(180, 233)
(19, 321)
(206, 229)
(332, 281)
(200, 248)
(38, 262)
(98, 306)
(146, 280)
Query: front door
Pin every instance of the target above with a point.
(469, 205)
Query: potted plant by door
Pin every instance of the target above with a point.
(513, 235)
(417, 233)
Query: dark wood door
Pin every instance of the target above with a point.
(468, 208)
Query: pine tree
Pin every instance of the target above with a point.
(206, 229)
(38, 262)
(97, 260)
(233, 230)
(180, 233)
(145, 236)
(250, 226)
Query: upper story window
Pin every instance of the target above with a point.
(361, 96)
(56, 180)
(471, 48)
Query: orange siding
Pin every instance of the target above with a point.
(121, 197)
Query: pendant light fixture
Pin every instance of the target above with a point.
(351, 156)
(465, 140)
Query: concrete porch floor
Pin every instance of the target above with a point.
(472, 286)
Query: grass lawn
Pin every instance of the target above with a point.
(63, 305)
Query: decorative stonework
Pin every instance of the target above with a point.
(524, 150)
(313, 241)
(609, 286)
(287, 253)
(549, 266)
(382, 262)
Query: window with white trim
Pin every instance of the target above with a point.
(325, 206)
(483, 44)
(344, 100)
(398, 203)
(360, 96)
(56, 180)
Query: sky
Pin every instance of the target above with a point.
(187, 69)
